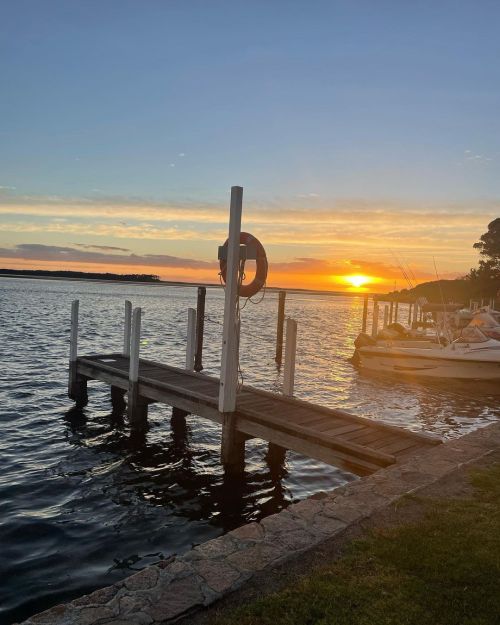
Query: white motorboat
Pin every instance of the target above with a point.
(473, 356)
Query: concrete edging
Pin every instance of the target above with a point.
(170, 590)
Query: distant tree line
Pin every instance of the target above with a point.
(123, 277)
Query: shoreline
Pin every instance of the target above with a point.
(208, 285)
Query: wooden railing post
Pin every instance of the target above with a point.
(386, 315)
(77, 384)
(375, 320)
(290, 352)
(191, 339)
(200, 327)
(365, 314)
(230, 331)
(127, 328)
(137, 406)
(279, 329)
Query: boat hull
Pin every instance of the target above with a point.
(412, 366)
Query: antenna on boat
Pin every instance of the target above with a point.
(445, 317)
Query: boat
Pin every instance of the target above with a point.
(472, 356)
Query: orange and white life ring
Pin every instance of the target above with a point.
(250, 289)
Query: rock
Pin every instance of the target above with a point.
(143, 580)
(218, 574)
(255, 557)
(177, 598)
(250, 531)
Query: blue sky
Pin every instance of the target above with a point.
(314, 106)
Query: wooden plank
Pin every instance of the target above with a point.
(308, 448)
(345, 429)
(397, 446)
(333, 443)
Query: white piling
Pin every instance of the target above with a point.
(375, 320)
(230, 331)
(127, 328)
(290, 352)
(415, 312)
(191, 339)
(73, 341)
(135, 342)
(386, 315)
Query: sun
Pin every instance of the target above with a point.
(357, 280)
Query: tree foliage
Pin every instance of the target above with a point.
(489, 247)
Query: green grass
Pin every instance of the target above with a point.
(442, 570)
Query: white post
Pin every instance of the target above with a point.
(135, 341)
(415, 312)
(375, 320)
(191, 339)
(73, 344)
(230, 332)
(290, 351)
(127, 328)
(386, 315)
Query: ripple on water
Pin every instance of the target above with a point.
(82, 504)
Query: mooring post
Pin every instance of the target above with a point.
(365, 314)
(200, 327)
(137, 405)
(386, 315)
(391, 312)
(290, 352)
(375, 319)
(415, 314)
(279, 329)
(127, 328)
(77, 384)
(233, 442)
(396, 307)
(191, 339)
(409, 313)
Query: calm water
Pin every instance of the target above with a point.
(83, 505)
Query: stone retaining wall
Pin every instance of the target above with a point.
(165, 592)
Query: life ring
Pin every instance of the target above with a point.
(250, 289)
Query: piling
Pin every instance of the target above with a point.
(396, 307)
(365, 314)
(137, 405)
(191, 339)
(279, 329)
(386, 315)
(233, 442)
(375, 319)
(127, 328)
(77, 384)
(200, 328)
(409, 314)
(290, 353)
(391, 312)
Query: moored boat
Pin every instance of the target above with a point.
(472, 356)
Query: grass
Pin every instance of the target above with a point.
(442, 570)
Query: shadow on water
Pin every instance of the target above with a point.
(173, 473)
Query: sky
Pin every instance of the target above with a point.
(366, 136)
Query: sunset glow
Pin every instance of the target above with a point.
(357, 280)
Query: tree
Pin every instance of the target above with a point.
(489, 242)
(489, 247)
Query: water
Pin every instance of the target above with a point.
(83, 505)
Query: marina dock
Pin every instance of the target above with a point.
(336, 437)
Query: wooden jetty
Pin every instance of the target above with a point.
(332, 436)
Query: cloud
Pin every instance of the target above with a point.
(38, 252)
(104, 248)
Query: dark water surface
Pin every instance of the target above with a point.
(83, 505)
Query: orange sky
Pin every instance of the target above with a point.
(311, 242)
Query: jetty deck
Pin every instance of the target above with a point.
(333, 436)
